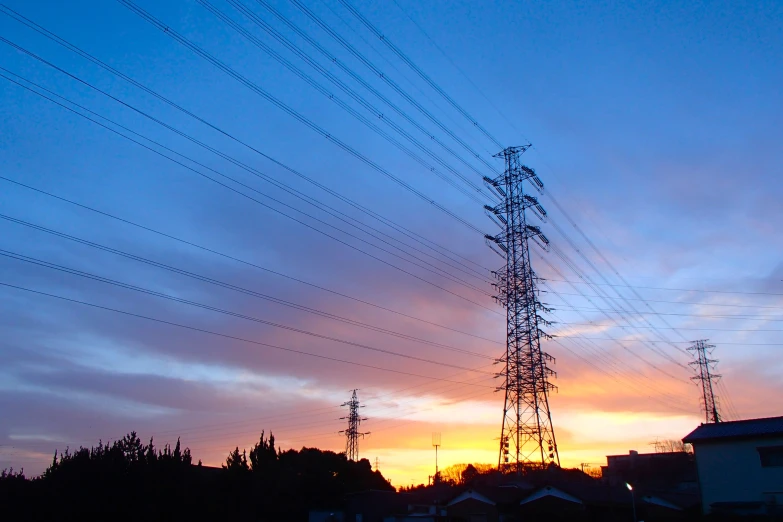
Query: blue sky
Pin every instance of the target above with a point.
(656, 127)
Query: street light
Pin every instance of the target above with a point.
(633, 500)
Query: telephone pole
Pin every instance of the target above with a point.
(705, 368)
(352, 434)
(527, 437)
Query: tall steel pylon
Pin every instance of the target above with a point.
(705, 368)
(352, 434)
(527, 437)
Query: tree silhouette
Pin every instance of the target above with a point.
(236, 462)
(263, 455)
(127, 479)
(469, 474)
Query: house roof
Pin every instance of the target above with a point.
(771, 426)
(658, 501)
(549, 491)
(471, 494)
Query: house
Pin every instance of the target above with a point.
(472, 506)
(552, 503)
(740, 466)
(660, 471)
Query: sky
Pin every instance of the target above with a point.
(208, 249)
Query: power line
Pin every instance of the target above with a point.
(396, 50)
(238, 315)
(440, 388)
(736, 316)
(333, 212)
(277, 35)
(350, 110)
(632, 340)
(251, 198)
(232, 337)
(87, 56)
(402, 75)
(616, 325)
(229, 286)
(359, 79)
(460, 70)
(380, 74)
(611, 360)
(212, 427)
(290, 111)
(247, 263)
(321, 423)
(608, 374)
(619, 309)
(475, 189)
(670, 289)
(693, 303)
(590, 323)
(570, 264)
(608, 357)
(733, 414)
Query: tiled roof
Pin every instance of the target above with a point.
(737, 429)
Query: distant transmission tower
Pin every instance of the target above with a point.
(705, 368)
(352, 434)
(527, 438)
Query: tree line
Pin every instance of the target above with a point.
(128, 479)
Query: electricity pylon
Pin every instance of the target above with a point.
(352, 434)
(527, 437)
(705, 375)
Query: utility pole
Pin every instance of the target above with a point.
(377, 465)
(436, 443)
(705, 375)
(527, 437)
(352, 434)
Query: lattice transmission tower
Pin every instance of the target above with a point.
(352, 434)
(527, 438)
(706, 376)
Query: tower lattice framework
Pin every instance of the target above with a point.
(705, 375)
(352, 434)
(527, 438)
